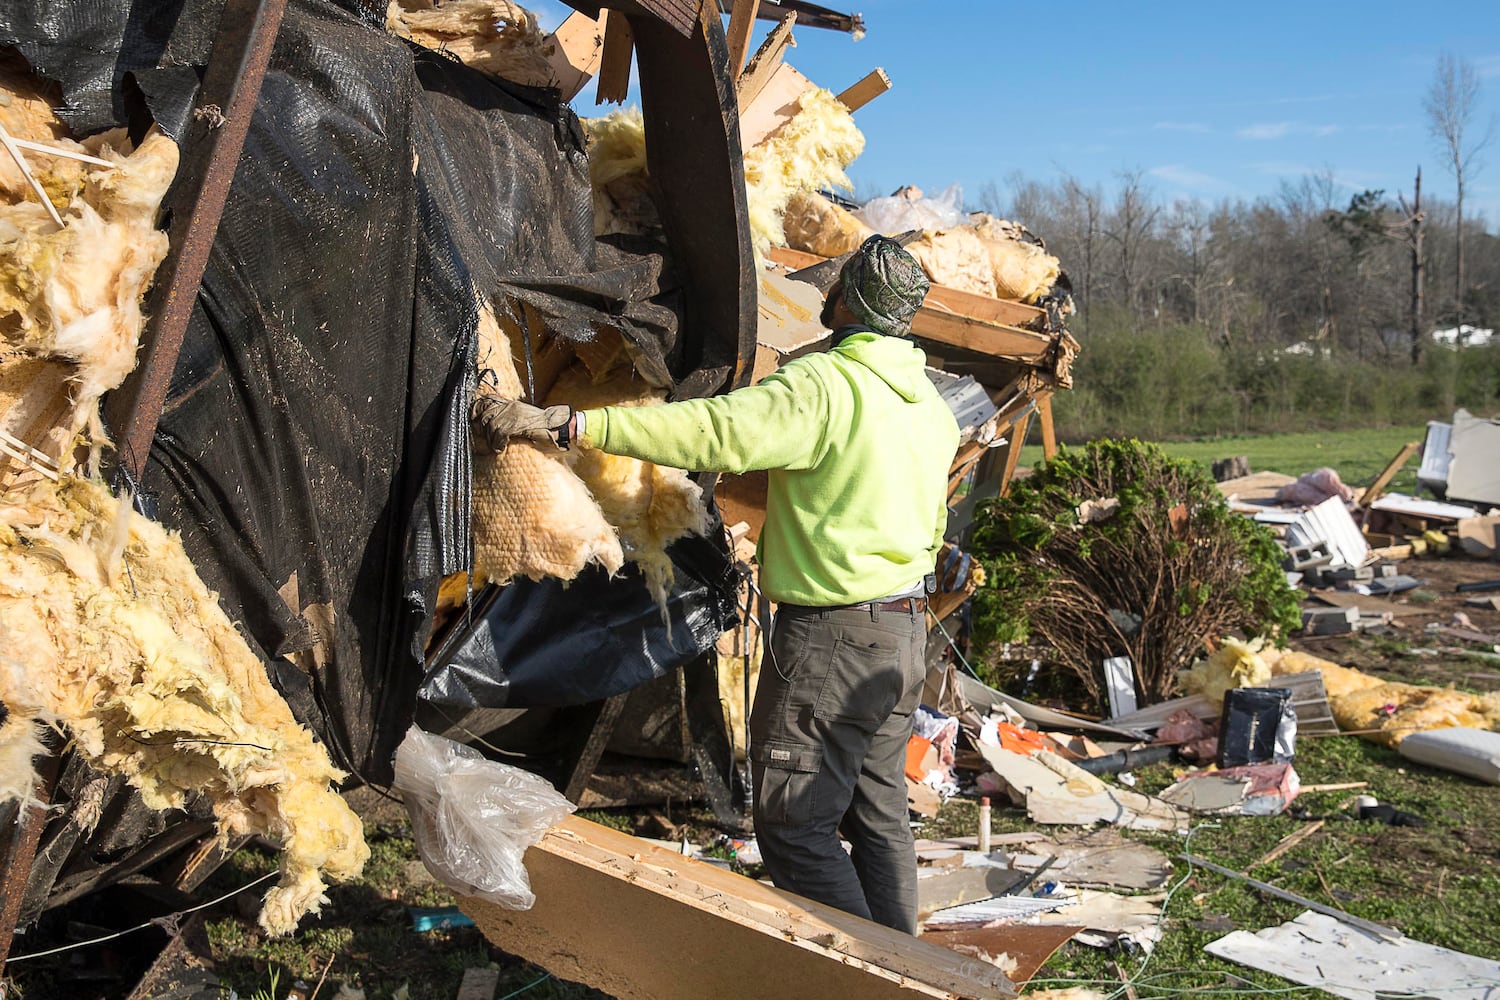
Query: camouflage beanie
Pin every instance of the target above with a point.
(884, 286)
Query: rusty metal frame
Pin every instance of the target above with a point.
(221, 119)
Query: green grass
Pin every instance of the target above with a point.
(1358, 455)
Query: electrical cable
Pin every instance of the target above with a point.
(156, 922)
(529, 986)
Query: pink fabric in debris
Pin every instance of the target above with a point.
(1313, 488)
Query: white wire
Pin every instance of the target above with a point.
(140, 927)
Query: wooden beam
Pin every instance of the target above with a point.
(865, 89)
(578, 48)
(741, 23)
(1372, 493)
(940, 298)
(607, 716)
(614, 64)
(764, 63)
(982, 337)
(722, 932)
(1049, 433)
(1015, 441)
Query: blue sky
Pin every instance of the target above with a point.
(1209, 99)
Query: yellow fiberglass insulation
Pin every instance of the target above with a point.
(617, 174)
(1387, 712)
(651, 506)
(815, 224)
(955, 258)
(1022, 270)
(109, 630)
(807, 153)
(71, 296)
(532, 516)
(1235, 664)
(494, 36)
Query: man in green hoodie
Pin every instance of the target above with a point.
(858, 445)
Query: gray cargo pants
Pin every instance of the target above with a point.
(828, 737)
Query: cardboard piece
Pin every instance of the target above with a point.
(1326, 953)
(1480, 536)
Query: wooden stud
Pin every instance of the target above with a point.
(1049, 433)
(1388, 473)
(763, 65)
(614, 64)
(1016, 439)
(741, 24)
(599, 734)
(865, 89)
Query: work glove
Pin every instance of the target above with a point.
(495, 421)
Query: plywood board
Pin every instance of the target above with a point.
(776, 104)
(638, 921)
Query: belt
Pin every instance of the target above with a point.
(910, 605)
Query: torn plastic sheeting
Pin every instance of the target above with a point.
(552, 644)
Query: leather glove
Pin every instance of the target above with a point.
(495, 421)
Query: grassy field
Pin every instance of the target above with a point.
(1357, 455)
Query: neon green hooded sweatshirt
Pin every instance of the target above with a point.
(858, 444)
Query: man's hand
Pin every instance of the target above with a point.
(495, 421)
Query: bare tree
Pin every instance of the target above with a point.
(1450, 104)
(1132, 223)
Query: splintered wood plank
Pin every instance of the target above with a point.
(764, 66)
(979, 336)
(614, 66)
(637, 921)
(865, 89)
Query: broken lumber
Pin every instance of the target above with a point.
(578, 47)
(865, 89)
(725, 930)
(1373, 491)
(764, 65)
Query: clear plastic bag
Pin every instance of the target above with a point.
(910, 209)
(473, 818)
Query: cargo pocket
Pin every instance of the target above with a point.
(784, 793)
(865, 680)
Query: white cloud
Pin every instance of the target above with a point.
(1280, 130)
(1176, 173)
(1487, 66)
(1276, 131)
(1181, 127)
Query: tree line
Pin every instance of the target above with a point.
(1309, 307)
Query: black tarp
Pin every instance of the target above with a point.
(313, 452)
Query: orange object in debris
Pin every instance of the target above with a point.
(916, 750)
(1017, 739)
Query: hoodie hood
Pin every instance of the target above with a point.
(898, 362)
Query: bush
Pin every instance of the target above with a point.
(1157, 566)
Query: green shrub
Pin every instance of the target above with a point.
(1168, 567)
